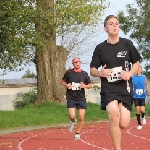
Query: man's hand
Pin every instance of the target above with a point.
(105, 72)
(82, 85)
(147, 93)
(69, 86)
(125, 75)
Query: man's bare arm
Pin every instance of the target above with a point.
(94, 72)
(134, 68)
(103, 73)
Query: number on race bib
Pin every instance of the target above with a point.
(139, 91)
(115, 75)
(76, 86)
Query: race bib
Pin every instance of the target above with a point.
(139, 91)
(115, 75)
(76, 86)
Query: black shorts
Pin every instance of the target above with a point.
(126, 100)
(139, 101)
(76, 104)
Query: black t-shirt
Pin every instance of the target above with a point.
(73, 77)
(118, 56)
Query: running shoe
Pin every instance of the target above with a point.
(143, 120)
(139, 127)
(77, 137)
(71, 126)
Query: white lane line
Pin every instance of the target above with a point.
(93, 145)
(98, 147)
(20, 143)
(128, 131)
(88, 143)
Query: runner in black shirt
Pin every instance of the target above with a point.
(76, 80)
(115, 55)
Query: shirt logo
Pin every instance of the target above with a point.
(122, 54)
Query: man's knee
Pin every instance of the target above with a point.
(142, 109)
(72, 115)
(124, 125)
(114, 119)
(81, 118)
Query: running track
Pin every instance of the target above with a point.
(94, 136)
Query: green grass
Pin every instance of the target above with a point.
(147, 108)
(49, 114)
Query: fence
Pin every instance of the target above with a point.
(8, 95)
(93, 96)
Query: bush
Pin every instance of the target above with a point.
(96, 87)
(24, 99)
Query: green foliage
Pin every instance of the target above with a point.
(94, 113)
(77, 12)
(137, 23)
(27, 25)
(29, 74)
(17, 33)
(147, 74)
(96, 87)
(1, 82)
(45, 114)
(24, 99)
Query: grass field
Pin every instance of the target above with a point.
(49, 114)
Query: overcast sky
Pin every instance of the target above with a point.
(116, 5)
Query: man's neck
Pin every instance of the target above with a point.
(77, 69)
(138, 74)
(113, 39)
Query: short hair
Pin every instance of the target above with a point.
(74, 58)
(109, 17)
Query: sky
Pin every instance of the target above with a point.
(116, 5)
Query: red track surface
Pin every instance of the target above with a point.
(93, 137)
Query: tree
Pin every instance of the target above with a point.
(29, 74)
(28, 34)
(137, 24)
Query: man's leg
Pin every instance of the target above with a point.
(71, 109)
(143, 115)
(81, 106)
(124, 116)
(80, 123)
(142, 110)
(114, 117)
(138, 112)
(72, 114)
(81, 120)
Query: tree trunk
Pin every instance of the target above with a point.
(50, 65)
(44, 76)
(50, 62)
(58, 61)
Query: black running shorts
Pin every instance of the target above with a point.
(76, 104)
(106, 98)
(139, 101)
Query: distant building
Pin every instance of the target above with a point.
(96, 81)
(20, 82)
(9, 89)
